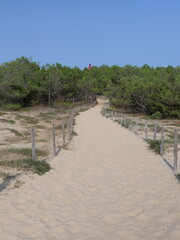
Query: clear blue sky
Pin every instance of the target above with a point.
(79, 32)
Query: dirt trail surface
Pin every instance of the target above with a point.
(107, 186)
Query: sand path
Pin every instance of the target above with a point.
(108, 186)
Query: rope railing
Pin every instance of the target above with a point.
(164, 138)
(64, 136)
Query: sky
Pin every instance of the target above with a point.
(100, 32)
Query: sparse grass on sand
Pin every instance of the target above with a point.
(154, 145)
(15, 140)
(47, 116)
(17, 133)
(5, 175)
(26, 119)
(4, 120)
(23, 151)
(39, 167)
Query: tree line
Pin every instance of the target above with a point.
(153, 91)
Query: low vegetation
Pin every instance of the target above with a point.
(20, 158)
(17, 133)
(154, 145)
(178, 177)
(4, 120)
(39, 167)
(22, 151)
(5, 175)
(15, 138)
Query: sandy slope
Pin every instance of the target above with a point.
(109, 186)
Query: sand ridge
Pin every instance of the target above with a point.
(108, 186)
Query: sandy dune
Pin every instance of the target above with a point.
(108, 186)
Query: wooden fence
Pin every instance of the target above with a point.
(64, 136)
(165, 138)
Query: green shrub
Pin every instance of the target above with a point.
(12, 107)
(63, 104)
(154, 145)
(156, 115)
(178, 176)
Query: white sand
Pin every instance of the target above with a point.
(109, 186)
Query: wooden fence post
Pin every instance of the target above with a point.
(131, 124)
(162, 140)
(175, 150)
(146, 130)
(112, 114)
(137, 127)
(155, 130)
(106, 112)
(69, 129)
(72, 122)
(33, 144)
(125, 121)
(121, 119)
(63, 134)
(54, 139)
(116, 116)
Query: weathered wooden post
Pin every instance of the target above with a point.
(69, 129)
(162, 140)
(137, 127)
(33, 141)
(116, 115)
(54, 139)
(125, 121)
(175, 150)
(70, 125)
(63, 134)
(146, 130)
(121, 119)
(155, 130)
(131, 124)
(72, 122)
(111, 114)
(106, 112)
